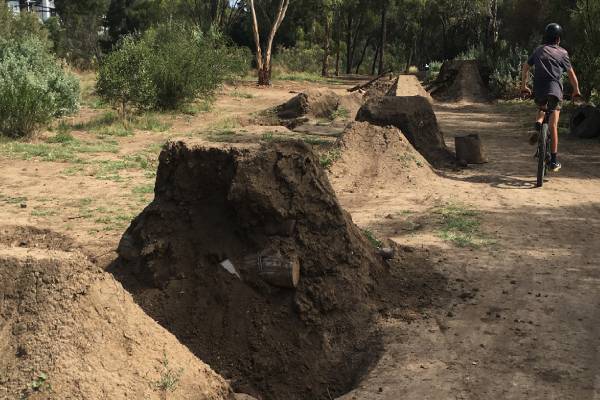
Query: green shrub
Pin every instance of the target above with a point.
(124, 77)
(188, 63)
(23, 26)
(500, 67)
(169, 67)
(434, 71)
(34, 88)
(299, 59)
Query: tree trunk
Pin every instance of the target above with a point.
(409, 61)
(349, 60)
(375, 58)
(469, 150)
(338, 46)
(362, 55)
(383, 37)
(492, 31)
(354, 39)
(411, 55)
(325, 69)
(263, 63)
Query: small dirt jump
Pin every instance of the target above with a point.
(371, 155)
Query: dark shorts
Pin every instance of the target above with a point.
(551, 103)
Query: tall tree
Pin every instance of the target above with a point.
(263, 59)
(78, 32)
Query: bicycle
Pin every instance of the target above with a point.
(544, 143)
(543, 148)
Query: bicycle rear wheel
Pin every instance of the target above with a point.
(542, 154)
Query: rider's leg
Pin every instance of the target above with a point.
(554, 164)
(540, 117)
(538, 126)
(554, 130)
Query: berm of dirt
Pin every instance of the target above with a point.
(68, 330)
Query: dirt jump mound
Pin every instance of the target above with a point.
(460, 81)
(69, 330)
(414, 116)
(371, 155)
(247, 257)
(313, 104)
(409, 85)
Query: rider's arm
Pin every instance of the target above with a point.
(574, 82)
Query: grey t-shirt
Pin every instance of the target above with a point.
(551, 62)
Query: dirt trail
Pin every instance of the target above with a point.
(525, 320)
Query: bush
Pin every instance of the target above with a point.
(124, 78)
(433, 71)
(500, 67)
(34, 89)
(188, 63)
(299, 59)
(170, 66)
(23, 26)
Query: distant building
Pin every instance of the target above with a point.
(44, 8)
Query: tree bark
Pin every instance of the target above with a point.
(338, 46)
(355, 36)
(375, 58)
(263, 62)
(327, 23)
(362, 55)
(349, 60)
(383, 37)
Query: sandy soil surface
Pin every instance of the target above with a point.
(524, 320)
(525, 323)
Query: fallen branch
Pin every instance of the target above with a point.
(372, 81)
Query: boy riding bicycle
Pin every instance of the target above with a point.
(550, 61)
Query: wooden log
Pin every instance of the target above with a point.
(469, 150)
(275, 269)
(366, 85)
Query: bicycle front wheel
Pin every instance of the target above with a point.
(542, 154)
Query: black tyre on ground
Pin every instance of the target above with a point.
(542, 149)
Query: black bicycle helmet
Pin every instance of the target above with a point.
(552, 33)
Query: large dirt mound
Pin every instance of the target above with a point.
(371, 156)
(414, 116)
(222, 204)
(409, 85)
(460, 81)
(68, 330)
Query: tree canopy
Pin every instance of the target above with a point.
(350, 36)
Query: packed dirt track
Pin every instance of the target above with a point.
(526, 323)
(416, 281)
